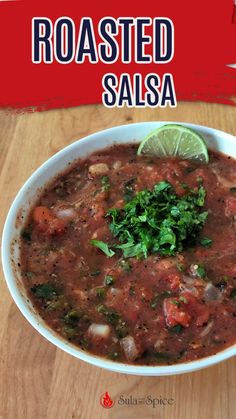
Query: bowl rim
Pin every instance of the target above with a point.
(36, 321)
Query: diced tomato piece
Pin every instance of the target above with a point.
(47, 222)
(56, 226)
(174, 280)
(180, 191)
(130, 307)
(230, 206)
(202, 313)
(196, 309)
(175, 314)
(42, 215)
(132, 312)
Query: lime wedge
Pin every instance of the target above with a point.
(174, 140)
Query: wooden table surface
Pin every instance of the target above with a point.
(39, 381)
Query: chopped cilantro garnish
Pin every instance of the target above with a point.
(158, 221)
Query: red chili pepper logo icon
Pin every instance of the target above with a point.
(106, 401)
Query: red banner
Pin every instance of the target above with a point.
(204, 45)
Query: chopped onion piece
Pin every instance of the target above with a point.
(117, 165)
(129, 348)
(158, 344)
(99, 330)
(211, 293)
(65, 213)
(188, 280)
(98, 169)
(207, 329)
(188, 288)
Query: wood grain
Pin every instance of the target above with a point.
(39, 381)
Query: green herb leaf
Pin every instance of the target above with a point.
(201, 271)
(61, 191)
(113, 355)
(26, 234)
(199, 179)
(183, 299)
(205, 242)
(233, 294)
(105, 181)
(111, 315)
(189, 169)
(162, 357)
(159, 298)
(100, 292)
(29, 274)
(129, 189)
(73, 316)
(57, 303)
(176, 329)
(95, 273)
(102, 246)
(121, 330)
(175, 302)
(132, 290)
(109, 280)
(70, 332)
(46, 291)
(180, 267)
(124, 264)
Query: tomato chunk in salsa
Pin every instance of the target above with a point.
(152, 309)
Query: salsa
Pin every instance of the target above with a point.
(132, 258)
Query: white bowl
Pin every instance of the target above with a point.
(215, 139)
